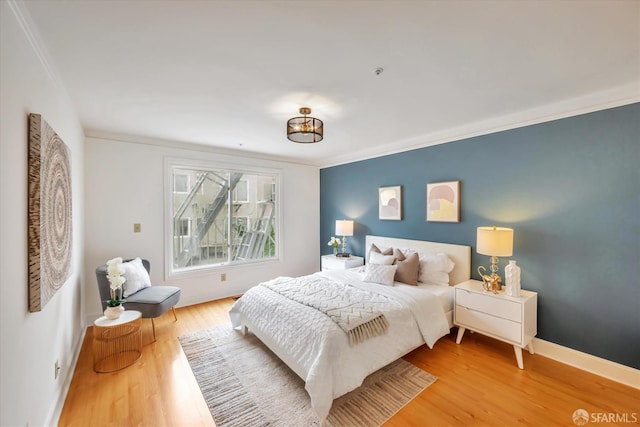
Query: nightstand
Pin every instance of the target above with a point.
(510, 319)
(332, 262)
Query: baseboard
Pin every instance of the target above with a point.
(56, 410)
(587, 362)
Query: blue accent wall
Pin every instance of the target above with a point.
(569, 188)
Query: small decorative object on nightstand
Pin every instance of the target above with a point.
(510, 319)
(333, 262)
(512, 279)
(335, 243)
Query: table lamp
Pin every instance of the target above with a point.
(344, 228)
(493, 241)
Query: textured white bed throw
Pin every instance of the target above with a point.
(320, 350)
(358, 312)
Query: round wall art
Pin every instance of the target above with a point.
(49, 224)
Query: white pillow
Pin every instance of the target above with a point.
(429, 264)
(136, 276)
(407, 252)
(374, 249)
(381, 274)
(378, 258)
(439, 278)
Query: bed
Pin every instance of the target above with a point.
(320, 352)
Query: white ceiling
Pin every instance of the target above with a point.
(230, 73)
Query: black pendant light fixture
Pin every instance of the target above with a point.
(304, 129)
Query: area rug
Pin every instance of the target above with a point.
(246, 385)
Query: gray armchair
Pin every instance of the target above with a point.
(152, 302)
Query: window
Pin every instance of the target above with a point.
(180, 183)
(216, 217)
(183, 228)
(241, 192)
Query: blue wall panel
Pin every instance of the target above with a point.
(569, 188)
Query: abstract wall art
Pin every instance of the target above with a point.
(390, 202)
(443, 201)
(49, 221)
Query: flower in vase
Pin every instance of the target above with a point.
(335, 242)
(115, 270)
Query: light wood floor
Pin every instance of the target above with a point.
(478, 384)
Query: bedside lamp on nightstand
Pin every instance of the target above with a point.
(344, 228)
(493, 241)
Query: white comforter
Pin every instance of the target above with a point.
(319, 351)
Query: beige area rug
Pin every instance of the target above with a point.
(245, 384)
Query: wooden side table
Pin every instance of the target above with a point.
(117, 343)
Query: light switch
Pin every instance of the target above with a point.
(137, 228)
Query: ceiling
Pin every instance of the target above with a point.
(229, 74)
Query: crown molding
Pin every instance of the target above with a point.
(190, 146)
(603, 100)
(30, 30)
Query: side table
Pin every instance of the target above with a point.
(117, 343)
(513, 320)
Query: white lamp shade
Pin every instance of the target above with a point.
(494, 241)
(344, 227)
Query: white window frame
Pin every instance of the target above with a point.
(171, 163)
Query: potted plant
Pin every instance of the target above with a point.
(335, 242)
(115, 270)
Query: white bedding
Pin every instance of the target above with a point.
(318, 350)
(444, 293)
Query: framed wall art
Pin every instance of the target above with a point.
(390, 202)
(49, 222)
(443, 201)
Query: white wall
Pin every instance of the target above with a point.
(124, 184)
(30, 343)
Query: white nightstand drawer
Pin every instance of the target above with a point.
(488, 303)
(491, 325)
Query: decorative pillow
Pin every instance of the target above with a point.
(378, 258)
(381, 274)
(429, 264)
(374, 249)
(439, 278)
(136, 276)
(406, 252)
(407, 271)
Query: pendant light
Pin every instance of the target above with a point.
(304, 129)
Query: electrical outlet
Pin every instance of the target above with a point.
(137, 228)
(56, 367)
(223, 277)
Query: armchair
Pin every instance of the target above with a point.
(152, 301)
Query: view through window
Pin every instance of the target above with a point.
(222, 216)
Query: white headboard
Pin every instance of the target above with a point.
(459, 254)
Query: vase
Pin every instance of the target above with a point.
(512, 278)
(112, 313)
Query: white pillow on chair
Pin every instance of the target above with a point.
(136, 276)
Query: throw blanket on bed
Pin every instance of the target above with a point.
(356, 311)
